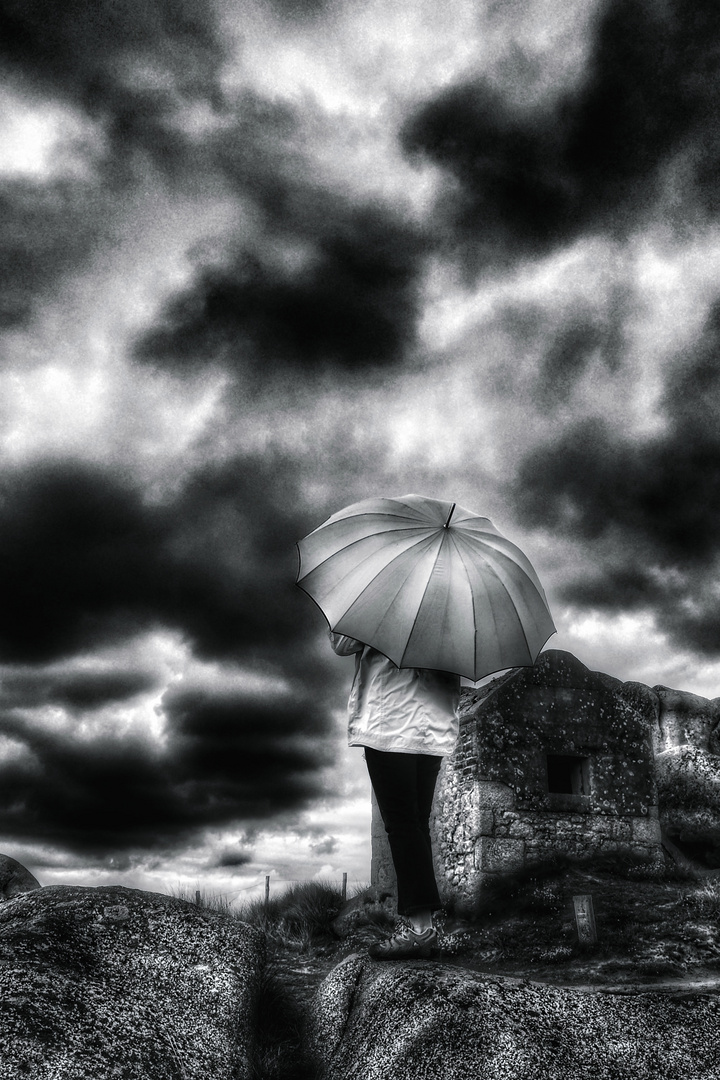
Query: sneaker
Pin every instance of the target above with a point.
(405, 944)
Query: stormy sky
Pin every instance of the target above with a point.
(259, 260)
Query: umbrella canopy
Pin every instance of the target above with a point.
(428, 584)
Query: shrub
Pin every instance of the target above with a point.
(298, 917)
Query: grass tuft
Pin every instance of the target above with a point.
(209, 900)
(297, 919)
(280, 1050)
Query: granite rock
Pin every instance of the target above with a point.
(426, 1021)
(685, 718)
(15, 878)
(119, 984)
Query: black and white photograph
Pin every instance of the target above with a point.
(359, 518)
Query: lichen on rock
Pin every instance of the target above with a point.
(119, 983)
(427, 1021)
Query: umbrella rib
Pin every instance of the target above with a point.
(396, 558)
(497, 544)
(472, 594)
(420, 604)
(360, 540)
(503, 586)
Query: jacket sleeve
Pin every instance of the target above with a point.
(345, 646)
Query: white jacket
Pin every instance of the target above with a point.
(406, 710)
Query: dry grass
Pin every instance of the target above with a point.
(213, 901)
(298, 919)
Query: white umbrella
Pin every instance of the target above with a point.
(428, 584)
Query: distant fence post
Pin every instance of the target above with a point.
(585, 919)
(197, 898)
(344, 888)
(267, 895)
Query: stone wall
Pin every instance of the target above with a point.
(495, 808)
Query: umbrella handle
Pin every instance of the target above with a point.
(452, 511)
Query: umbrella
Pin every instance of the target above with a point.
(428, 584)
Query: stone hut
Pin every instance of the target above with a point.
(551, 759)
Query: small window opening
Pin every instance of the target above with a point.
(568, 775)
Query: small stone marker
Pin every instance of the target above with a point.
(585, 919)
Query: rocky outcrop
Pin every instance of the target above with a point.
(15, 879)
(118, 983)
(426, 1021)
(687, 719)
(689, 788)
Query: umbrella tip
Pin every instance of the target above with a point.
(452, 511)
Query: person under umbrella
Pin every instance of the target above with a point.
(406, 720)
(421, 591)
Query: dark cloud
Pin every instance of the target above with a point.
(84, 559)
(233, 859)
(133, 68)
(351, 301)
(509, 190)
(327, 282)
(256, 756)
(46, 231)
(300, 9)
(227, 756)
(649, 508)
(74, 690)
(566, 342)
(259, 152)
(525, 179)
(573, 347)
(80, 557)
(130, 65)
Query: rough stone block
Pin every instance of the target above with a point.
(646, 830)
(494, 795)
(15, 878)
(497, 856)
(485, 821)
(521, 830)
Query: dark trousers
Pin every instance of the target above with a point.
(404, 785)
